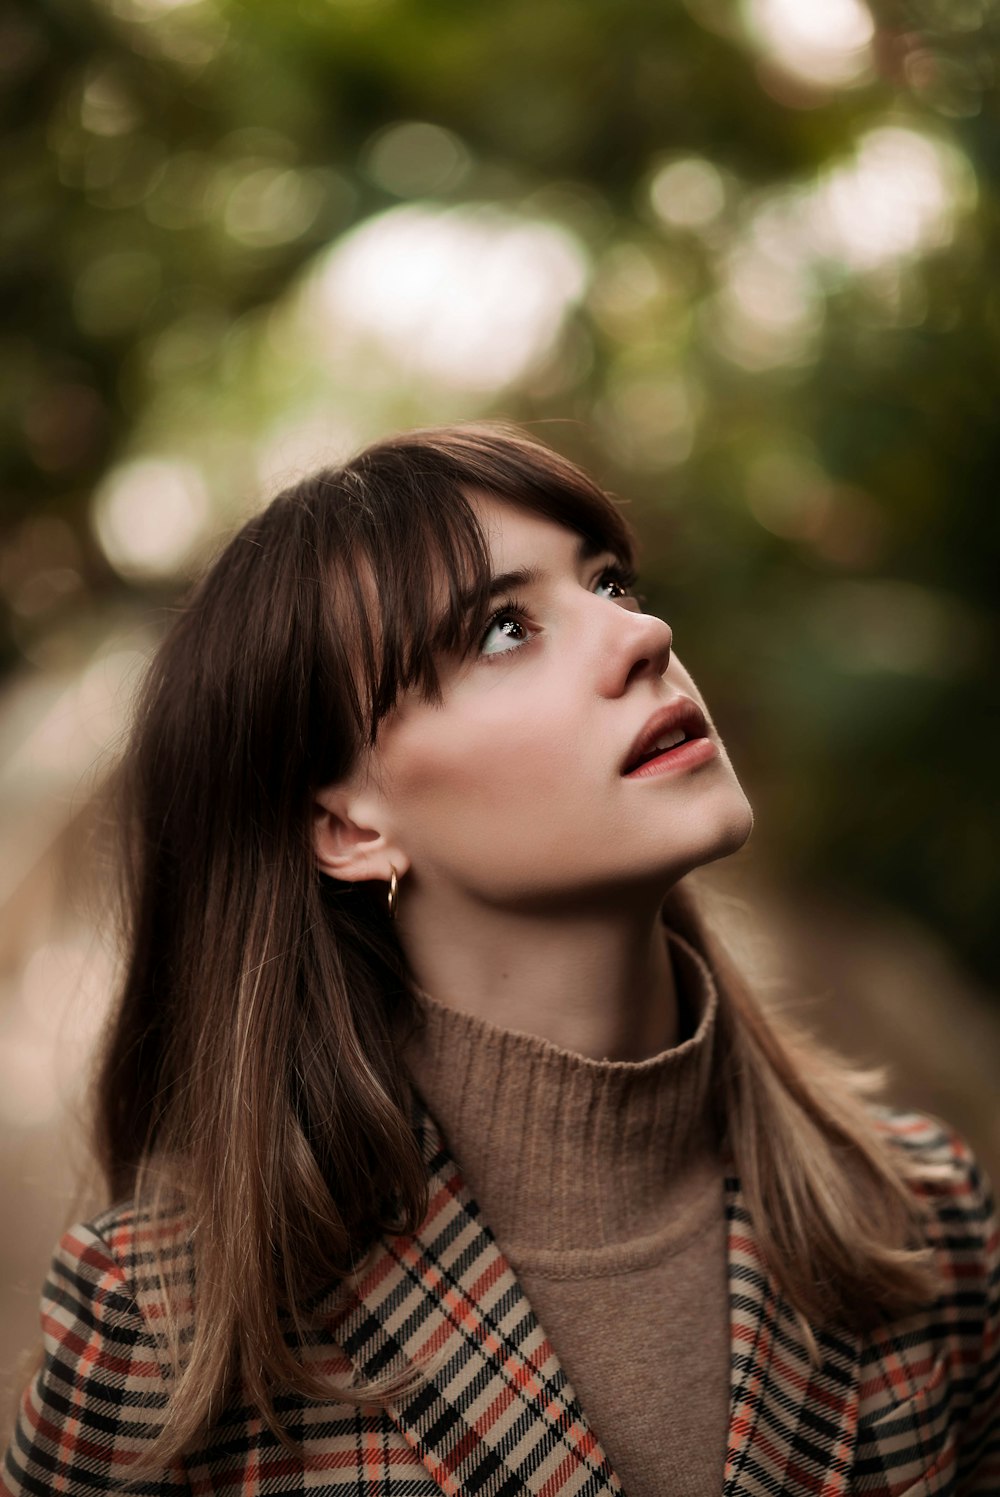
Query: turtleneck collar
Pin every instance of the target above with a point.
(567, 1154)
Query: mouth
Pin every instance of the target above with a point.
(666, 732)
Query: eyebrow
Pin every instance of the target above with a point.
(586, 549)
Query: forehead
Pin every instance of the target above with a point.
(516, 536)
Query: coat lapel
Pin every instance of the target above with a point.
(792, 1426)
(494, 1412)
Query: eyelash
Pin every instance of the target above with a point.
(514, 608)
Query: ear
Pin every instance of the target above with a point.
(346, 845)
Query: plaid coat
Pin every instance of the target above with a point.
(909, 1412)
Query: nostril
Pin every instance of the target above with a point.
(640, 668)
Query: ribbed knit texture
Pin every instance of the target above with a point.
(603, 1184)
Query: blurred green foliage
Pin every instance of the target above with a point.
(783, 347)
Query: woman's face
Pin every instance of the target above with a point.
(510, 790)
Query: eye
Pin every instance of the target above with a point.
(510, 618)
(509, 626)
(621, 578)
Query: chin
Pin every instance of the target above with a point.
(724, 828)
(735, 830)
(728, 834)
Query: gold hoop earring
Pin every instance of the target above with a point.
(392, 897)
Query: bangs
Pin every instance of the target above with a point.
(414, 585)
(413, 566)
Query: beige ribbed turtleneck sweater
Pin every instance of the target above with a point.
(603, 1183)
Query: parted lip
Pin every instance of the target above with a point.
(680, 713)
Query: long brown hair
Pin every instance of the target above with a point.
(249, 1077)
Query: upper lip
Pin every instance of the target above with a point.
(680, 713)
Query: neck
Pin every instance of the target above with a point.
(594, 981)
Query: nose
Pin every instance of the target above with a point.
(639, 646)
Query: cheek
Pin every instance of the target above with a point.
(493, 756)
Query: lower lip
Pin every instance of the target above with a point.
(684, 756)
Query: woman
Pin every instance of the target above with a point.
(447, 1149)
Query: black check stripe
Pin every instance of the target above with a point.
(444, 1412)
(916, 1406)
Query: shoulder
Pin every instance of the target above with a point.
(111, 1273)
(949, 1182)
(101, 1393)
(958, 1216)
(933, 1378)
(922, 1135)
(141, 1242)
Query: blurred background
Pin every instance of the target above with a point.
(738, 257)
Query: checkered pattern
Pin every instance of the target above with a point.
(911, 1412)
